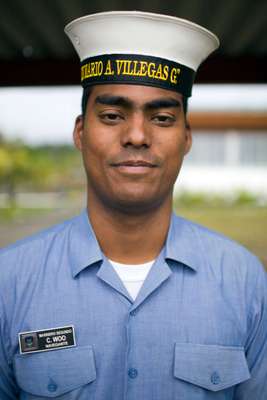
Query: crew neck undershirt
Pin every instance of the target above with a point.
(132, 275)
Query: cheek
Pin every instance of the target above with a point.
(173, 146)
(97, 148)
(175, 153)
(95, 143)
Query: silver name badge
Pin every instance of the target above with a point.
(46, 340)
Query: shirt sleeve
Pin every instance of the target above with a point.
(8, 388)
(256, 345)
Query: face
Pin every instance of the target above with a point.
(133, 139)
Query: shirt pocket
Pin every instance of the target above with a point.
(54, 373)
(211, 367)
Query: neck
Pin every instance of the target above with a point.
(130, 239)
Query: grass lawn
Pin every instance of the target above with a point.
(247, 225)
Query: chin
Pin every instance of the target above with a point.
(134, 204)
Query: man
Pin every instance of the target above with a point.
(128, 301)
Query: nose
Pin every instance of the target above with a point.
(136, 134)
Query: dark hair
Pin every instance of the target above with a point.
(87, 91)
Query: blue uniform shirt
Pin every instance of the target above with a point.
(197, 330)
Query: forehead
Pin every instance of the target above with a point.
(138, 94)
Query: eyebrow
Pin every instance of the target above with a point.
(109, 100)
(164, 102)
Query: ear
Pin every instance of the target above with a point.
(78, 132)
(188, 136)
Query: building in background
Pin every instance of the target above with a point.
(229, 152)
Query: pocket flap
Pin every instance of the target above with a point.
(210, 366)
(55, 372)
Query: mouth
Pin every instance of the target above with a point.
(134, 163)
(134, 167)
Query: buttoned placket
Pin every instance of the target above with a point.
(159, 272)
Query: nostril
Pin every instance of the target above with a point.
(136, 145)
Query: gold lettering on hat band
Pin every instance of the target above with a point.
(129, 68)
(137, 69)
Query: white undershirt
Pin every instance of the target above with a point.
(132, 275)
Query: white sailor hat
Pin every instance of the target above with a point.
(141, 48)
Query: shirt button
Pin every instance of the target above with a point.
(52, 387)
(215, 378)
(132, 372)
(133, 313)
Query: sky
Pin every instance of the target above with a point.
(46, 115)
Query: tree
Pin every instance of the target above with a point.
(19, 166)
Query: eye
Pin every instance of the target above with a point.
(163, 119)
(111, 117)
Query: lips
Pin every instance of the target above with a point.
(134, 163)
(134, 168)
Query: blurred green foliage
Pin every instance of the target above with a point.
(40, 168)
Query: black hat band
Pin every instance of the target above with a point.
(137, 69)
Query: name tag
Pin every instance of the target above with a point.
(46, 340)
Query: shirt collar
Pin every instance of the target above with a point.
(84, 249)
(183, 244)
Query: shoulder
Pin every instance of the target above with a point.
(229, 268)
(220, 253)
(25, 255)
